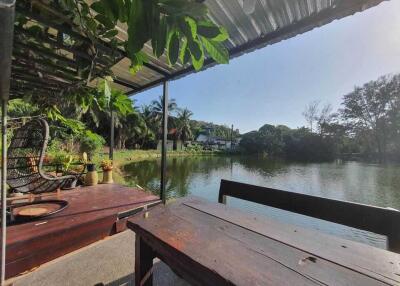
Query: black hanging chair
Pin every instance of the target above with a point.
(25, 173)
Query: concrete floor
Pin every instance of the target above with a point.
(109, 262)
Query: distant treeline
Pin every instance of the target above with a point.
(367, 124)
(294, 144)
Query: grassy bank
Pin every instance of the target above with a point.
(122, 157)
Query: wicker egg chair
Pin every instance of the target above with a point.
(25, 173)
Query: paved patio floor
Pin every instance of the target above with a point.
(109, 262)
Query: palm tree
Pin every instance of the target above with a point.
(149, 125)
(129, 127)
(184, 128)
(157, 106)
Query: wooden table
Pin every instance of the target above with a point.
(212, 244)
(93, 213)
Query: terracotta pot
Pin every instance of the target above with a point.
(107, 176)
(91, 178)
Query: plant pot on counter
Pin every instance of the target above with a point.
(91, 177)
(107, 176)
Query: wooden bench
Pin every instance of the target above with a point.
(378, 220)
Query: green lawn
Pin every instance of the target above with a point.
(124, 156)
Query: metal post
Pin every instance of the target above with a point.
(3, 186)
(164, 142)
(232, 137)
(7, 10)
(111, 152)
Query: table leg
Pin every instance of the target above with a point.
(393, 243)
(143, 263)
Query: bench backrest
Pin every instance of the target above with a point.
(370, 218)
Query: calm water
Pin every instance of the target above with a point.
(352, 181)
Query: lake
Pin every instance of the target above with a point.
(352, 181)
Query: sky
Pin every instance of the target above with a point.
(274, 84)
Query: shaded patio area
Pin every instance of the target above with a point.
(96, 213)
(108, 262)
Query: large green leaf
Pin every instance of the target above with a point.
(182, 53)
(216, 51)
(189, 27)
(105, 21)
(159, 39)
(195, 48)
(107, 92)
(223, 36)
(91, 24)
(138, 59)
(138, 27)
(209, 30)
(197, 54)
(98, 7)
(111, 9)
(110, 33)
(123, 14)
(173, 47)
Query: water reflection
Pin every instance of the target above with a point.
(180, 173)
(352, 181)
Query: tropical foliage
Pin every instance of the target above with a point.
(86, 33)
(184, 129)
(180, 29)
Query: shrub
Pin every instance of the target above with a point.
(90, 143)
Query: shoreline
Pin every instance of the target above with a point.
(127, 156)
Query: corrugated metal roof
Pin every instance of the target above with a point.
(272, 21)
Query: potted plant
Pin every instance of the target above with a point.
(107, 166)
(90, 144)
(91, 177)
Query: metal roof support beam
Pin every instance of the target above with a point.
(148, 65)
(163, 182)
(125, 83)
(20, 57)
(47, 54)
(156, 69)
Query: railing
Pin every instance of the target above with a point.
(378, 220)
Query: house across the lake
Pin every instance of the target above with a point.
(217, 143)
(173, 142)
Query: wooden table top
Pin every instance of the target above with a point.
(212, 244)
(91, 215)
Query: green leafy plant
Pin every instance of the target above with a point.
(178, 28)
(90, 143)
(64, 160)
(111, 99)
